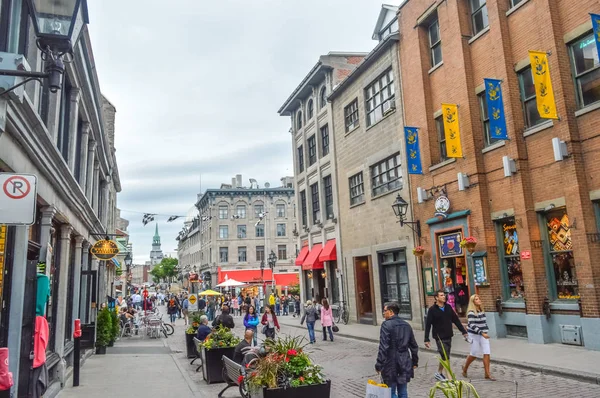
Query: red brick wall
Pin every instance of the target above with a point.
(536, 25)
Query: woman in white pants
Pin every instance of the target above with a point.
(478, 334)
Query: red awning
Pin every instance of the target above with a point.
(286, 279)
(312, 260)
(244, 275)
(329, 251)
(302, 255)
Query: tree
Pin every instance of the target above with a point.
(165, 271)
(157, 273)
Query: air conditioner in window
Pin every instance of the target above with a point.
(388, 106)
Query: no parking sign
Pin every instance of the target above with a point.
(17, 198)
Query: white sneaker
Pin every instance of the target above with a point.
(440, 377)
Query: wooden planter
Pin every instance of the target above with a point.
(471, 247)
(190, 347)
(314, 391)
(212, 366)
(419, 253)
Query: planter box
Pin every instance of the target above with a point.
(212, 366)
(190, 347)
(314, 391)
(101, 350)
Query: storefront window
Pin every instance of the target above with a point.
(561, 254)
(511, 259)
(394, 283)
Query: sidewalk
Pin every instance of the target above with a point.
(553, 359)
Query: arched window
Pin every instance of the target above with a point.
(311, 109)
(299, 120)
(323, 97)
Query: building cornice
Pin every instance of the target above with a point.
(240, 192)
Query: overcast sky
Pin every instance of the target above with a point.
(197, 86)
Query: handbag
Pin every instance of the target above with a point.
(376, 390)
(264, 329)
(335, 328)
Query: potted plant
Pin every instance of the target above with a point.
(190, 348)
(103, 331)
(286, 371)
(469, 243)
(114, 330)
(220, 342)
(452, 387)
(418, 251)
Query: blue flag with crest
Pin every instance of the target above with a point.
(596, 26)
(413, 153)
(495, 106)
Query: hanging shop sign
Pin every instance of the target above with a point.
(450, 245)
(442, 206)
(105, 249)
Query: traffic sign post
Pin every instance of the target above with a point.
(192, 302)
(17, 198)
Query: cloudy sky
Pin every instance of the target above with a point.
(197, 86)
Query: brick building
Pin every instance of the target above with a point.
(534, 211)
(367, 123)
(317, 230)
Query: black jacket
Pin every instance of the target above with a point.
(442, 323)
(225, 320)
(398, 351)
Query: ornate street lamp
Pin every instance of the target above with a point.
(400, 207)
(128, 261)
(57, 25)
(272, 260)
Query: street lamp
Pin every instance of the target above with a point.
(127, 261)
(400, 207)
(57, 25)
(272, 262)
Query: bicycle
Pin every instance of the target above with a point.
(341, 312)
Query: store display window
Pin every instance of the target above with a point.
(561, 254)
(511, 260)
(453, 271)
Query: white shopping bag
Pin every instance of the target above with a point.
(375, 390)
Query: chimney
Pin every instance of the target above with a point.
(238, 177)
(233, 182)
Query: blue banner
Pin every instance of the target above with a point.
(495, 106)
(596, 25)
(413, 153)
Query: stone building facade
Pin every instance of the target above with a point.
(317, 229)
(240, 226)
(532, 206)
(62, 138)
(371, 171)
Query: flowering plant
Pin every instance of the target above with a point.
(220, 337)
(468, 241)
(418, 251)
(283, 365)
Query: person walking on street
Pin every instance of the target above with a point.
(236, 305)
(251, 321)
(310, 315)
(478, 334)
(297, 306)
(285, 302)
(272, 300)
(277, 306)
(398, 354)
(201, 304)
(184, 310)
(211, 309)
(326, 319)
(269, 319)
(257, 304)
(172, 309)
(441, 316)
(224, 319)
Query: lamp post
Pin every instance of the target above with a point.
(272, 262)
(127, 271)
(57, 25)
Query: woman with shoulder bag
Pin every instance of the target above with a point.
(269, 320)
(478, 333)
(251, 322)
(326, 319)
(310, 315)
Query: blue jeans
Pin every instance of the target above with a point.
(254, 335)
(173, 317)
(277, 309)
(311, 331)
(327, 328)
(399, 390)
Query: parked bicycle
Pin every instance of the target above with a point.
(340, 312)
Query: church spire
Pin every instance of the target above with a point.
(156, 239)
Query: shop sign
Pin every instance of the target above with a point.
(105, 249)
(442, 206)
(526, 255)
(450, 245)
(480, 268)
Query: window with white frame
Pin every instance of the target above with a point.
(514, 3)
(280, 207)
(223, 231)
(241, 232)
(316, 207)
(435, 42)
(223, 212)
(386, 175)
(242, 254)
(312, 150)
(241, 211)
(258, 210)
(325, 140)
(327, 184)
(323, 97)
(300, 158)
(280, 229)
(357, 189)
(586, 69)
(380, 97)
(303, 207)
(528, 98)
(299, 120)
(441, 138)
(260, 231)
(479, 15)
(281, 252)
(223, 254)
(260, 253)
(351, 115)
(310, 109)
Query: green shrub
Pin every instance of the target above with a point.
(103, 328)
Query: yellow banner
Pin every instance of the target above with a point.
(543, 85)
(452, 130)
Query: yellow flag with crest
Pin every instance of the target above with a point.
(543, 85)
(451, 130)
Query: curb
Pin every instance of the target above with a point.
(545, 370)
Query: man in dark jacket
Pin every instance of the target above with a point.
(441, 316)
(224, 319)
(398, 352)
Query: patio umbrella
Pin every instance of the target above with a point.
(230, 283)
(209, 293)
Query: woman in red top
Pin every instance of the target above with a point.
(269, 319)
